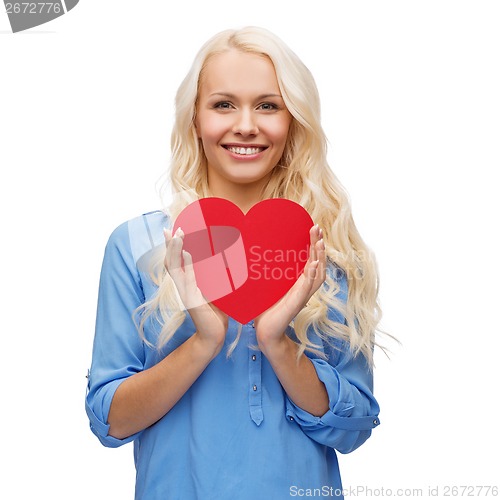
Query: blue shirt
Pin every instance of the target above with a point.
(234, 434)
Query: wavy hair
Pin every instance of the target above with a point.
(302, 175)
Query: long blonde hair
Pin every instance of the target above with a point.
(302, 175)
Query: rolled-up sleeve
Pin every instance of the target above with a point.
(353, 411)
(118, 351)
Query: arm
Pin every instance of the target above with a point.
(118, 352)
(334, 405)
(332, 401)
(147, 396)
(297, 376)
(123, 398)
(352, 410)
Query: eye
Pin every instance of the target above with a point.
(223, 105)
(268, 106)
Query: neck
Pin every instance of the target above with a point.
(244, 199)
(244, 196)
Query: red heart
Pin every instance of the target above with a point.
(245, 263)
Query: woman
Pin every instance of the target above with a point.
(217, 409)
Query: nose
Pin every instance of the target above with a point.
(245, 123)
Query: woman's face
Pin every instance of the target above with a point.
(241, 120)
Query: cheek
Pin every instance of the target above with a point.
(278, 132)
(210, 128)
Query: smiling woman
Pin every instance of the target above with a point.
(218, 409)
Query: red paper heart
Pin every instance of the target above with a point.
(245, 263)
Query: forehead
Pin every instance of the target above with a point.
(239, 73)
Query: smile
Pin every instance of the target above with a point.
(244, 150)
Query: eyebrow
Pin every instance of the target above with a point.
(232, 96)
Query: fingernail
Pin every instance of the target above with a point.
(322, 244)
(178, 233)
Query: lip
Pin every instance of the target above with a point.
(243, 145)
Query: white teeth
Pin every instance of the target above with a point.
(244, 151)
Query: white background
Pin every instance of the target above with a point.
(410, 95)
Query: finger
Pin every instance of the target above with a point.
(188, 268)
(167, 234)
(174, 254)
(193, 298)
(309, 275)
(321, 270)
(172, 262)
(314, 237)
(312, 272)
(303, 288)
(316, 270)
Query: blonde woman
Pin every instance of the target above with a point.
(216, 409)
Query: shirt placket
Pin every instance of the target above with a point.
(254, 378)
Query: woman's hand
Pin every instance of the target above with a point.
(270, 326)
(211, 323)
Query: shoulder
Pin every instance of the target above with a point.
(138, 236)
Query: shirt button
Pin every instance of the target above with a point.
(254, 357)
(291, 419)
(254, 387)
(376, 422)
